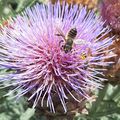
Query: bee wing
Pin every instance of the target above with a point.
(60, 33)
(80, 42)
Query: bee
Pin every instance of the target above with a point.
(70, 39)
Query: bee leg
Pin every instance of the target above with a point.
(57, 34)
(61, 35)
(61, 44)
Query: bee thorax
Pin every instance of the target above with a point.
(69, 41)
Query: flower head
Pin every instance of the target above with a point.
(34, 49)
(110, 13)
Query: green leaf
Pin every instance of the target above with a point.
(28, 114)
(106, 107)
(4, 116)
(106, 103)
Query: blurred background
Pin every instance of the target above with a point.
(105, 104)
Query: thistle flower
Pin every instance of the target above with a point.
(39, 65)
(110, 13)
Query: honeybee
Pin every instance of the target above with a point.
(69, 39)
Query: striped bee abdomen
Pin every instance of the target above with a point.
(72, 33)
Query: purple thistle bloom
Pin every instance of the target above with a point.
(34, 52)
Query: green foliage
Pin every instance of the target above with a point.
(12, 7)
(106, 107)
(11, 109)
(27, 114)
